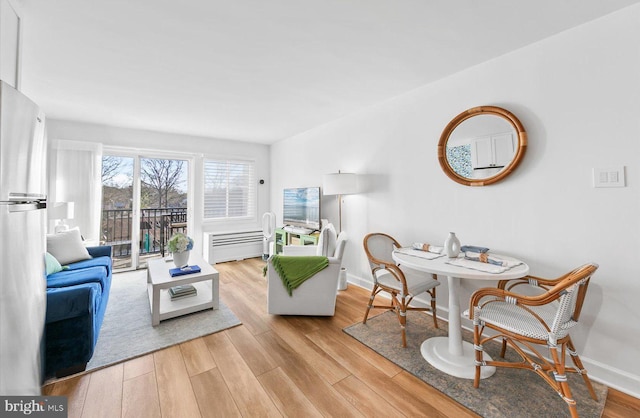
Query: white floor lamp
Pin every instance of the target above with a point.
(340, 184)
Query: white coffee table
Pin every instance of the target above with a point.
(159, 281)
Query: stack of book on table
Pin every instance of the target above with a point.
(183, 291)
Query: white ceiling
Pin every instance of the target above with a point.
(262, 70)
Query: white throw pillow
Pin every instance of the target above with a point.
(327, 241)
(67, 247)
(332, 239)
(321, 242)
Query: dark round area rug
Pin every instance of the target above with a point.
(508, 393)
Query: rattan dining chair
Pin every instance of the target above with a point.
(529, 318)
(401, 284)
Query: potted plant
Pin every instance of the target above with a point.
(180, 245)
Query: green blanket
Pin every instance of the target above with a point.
(294, 270)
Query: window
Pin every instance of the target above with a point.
(229, 189)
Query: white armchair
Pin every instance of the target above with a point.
(316, 295)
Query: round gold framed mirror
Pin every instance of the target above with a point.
(481, 146)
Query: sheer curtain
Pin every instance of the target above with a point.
(75, 175)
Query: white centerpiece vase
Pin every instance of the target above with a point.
(452, 245)
(181, 259)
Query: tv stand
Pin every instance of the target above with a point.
(285, 237)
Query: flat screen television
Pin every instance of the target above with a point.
(302, 207)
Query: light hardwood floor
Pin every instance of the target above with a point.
(269, 366)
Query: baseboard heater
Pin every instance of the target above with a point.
(232, 246)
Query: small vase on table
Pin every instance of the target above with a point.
(452, 245)
(181, 259)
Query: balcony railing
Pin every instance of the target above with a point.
(157, 225)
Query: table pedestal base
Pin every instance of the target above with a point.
(436, 351)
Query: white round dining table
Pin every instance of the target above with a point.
(451, 354)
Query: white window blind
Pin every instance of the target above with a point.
(229, 189)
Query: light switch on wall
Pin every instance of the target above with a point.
(608, 177)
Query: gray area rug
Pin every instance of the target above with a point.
(127, 332)
(508, 393)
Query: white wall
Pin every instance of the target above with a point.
(196, 147)
(578, 96)
(10, 43)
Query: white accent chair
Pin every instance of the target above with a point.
(317, 295)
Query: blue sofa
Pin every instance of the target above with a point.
(76, 302)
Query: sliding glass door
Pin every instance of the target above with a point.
(163, 204)
(144, 202)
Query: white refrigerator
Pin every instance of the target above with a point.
(22, 242)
